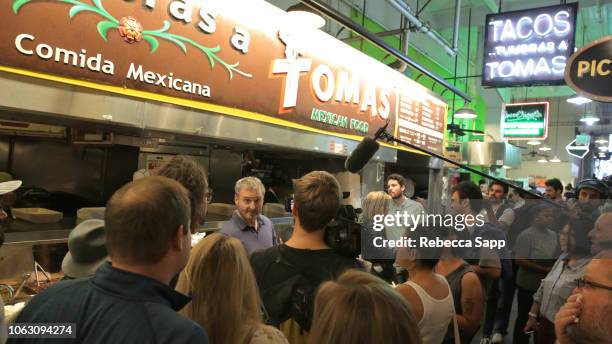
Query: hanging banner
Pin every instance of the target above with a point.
(238, 57)
(525, 121)
(589, 70)
(528, 47)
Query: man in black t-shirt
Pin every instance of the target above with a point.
(296, 268)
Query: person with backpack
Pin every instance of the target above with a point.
(289, 274)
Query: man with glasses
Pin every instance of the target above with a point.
(586, 317)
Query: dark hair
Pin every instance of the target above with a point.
(482, 181)
(520, 192)
(422, 194)
(457, 251)
(186, 171)
(142, 217)
(535, 210)
(317, 199)
(469, 190)
(428, 255)
(554, 183)
(504, 186)
(580, 236)
(397, 177)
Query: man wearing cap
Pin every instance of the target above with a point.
(591, 194)
(128, 300)
(86, 250)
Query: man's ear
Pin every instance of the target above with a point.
(178, 238)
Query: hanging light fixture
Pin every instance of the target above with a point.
(534, 142)
(545, 148)
(465, 113)
(589, 119)
(578, 100)
(304, 15)
(555, 159)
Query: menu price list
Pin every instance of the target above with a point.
(421, 122)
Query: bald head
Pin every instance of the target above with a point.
(142, 217)
(601, 235)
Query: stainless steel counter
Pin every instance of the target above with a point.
(54, 233)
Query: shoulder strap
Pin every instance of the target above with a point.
(501, 209)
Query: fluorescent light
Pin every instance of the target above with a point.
(534, 143)
(603, 148)
(542, 161)
(578, 100)
(465, 113)
(555, 159)
(506, 167)
(304, 15)
(545, 148)
(601, 141)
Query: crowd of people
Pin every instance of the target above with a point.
(135, 277)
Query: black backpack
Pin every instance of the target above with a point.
(292, 298)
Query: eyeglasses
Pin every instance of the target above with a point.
(581, 282)
(209, 195)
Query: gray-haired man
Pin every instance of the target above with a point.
(254, 230)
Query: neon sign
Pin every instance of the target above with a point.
(528, 47)
(525, 121)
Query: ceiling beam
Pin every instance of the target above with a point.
(491, 5)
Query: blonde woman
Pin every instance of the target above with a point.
(373, 208)
(224, 293)
(361, 308)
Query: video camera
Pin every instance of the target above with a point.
(343, 233)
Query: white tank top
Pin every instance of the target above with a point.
(437, 313)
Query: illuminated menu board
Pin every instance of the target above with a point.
(528, 47)
(420, 121)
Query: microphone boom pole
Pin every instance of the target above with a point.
(383, 134)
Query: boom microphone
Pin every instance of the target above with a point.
(361, 155)
(364, 151)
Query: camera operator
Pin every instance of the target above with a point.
(288, 274)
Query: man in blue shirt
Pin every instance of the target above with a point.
(254, 230)
(148, 239)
